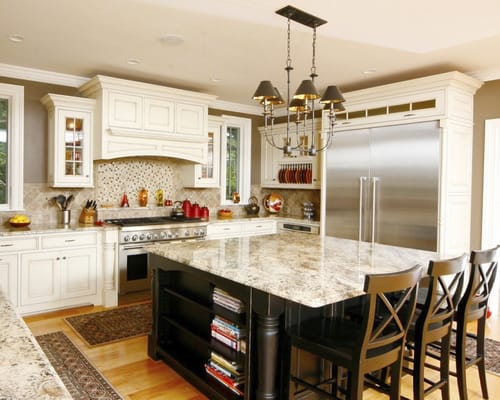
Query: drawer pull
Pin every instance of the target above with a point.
(69, 240)
(7, 245)
(227, 229)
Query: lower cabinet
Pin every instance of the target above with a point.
(8, 277)
(52, 277)
(240, 227)
(63, 273)
(200, 328)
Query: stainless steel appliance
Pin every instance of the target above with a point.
(136, 233)
(382, 185)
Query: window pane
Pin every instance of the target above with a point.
(232, 161)
(4, 109)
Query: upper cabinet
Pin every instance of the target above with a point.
(206, 175)
(70, 140)
(299, 171)
(140, 119)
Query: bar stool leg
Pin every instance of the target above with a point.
(481, 326)
(460, 359)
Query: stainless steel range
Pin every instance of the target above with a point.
(136, 233)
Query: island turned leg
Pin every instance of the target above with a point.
(268, 314)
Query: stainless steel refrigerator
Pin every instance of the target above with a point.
(382, 185)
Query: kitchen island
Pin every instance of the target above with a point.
(280, 279)
(25, 371)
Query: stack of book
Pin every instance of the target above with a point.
(228, 333)
(227, 372)
(225, 300)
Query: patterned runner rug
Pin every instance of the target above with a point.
(491, 351)
(80, 377)
(112, 325)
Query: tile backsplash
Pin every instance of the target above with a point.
(113, 178)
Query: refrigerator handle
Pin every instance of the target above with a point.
(362, 180)
(374, 204)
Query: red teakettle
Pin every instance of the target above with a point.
(186, 206)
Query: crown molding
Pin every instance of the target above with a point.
(486, 75)
(236, 107)
(39, 75)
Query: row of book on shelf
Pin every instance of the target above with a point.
(229, 372)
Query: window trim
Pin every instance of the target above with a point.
(245, 125)
(15, 128)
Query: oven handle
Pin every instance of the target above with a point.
(131, 247)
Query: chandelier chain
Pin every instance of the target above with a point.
(288, 48)
(313, 65)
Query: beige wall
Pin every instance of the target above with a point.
(486, 106)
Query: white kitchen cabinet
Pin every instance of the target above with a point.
(206, 175)
(63, 273)
(240, 228)
(9, 263)
(70, 140)
(298, 171)
(8, 277)
(140, 119)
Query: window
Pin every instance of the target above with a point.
(235, 158)
(11, 146)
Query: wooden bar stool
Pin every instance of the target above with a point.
(360, 347)
(472, 308)
(432, 324)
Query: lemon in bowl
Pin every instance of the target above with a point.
(19, 220)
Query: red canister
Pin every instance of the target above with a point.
(195, 211)
(186, 206)
(204, 213)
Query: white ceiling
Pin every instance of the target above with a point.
(241, 42)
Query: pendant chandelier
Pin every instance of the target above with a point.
(303, 102)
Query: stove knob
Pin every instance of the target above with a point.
(186, 233)
(134, 238)
(149, 236)
(126, 238)
(163, 235)
(202, 232)
(175, 234)
(195, 233)
(170, 235)
(155, 236)
(142, 236)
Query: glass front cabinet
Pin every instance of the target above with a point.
(70, 140)
(206, 175)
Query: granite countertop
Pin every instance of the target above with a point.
(308, 269)
(25, 371)
(281, 218)
(7, 230)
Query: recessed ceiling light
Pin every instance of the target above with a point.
(370, 71)
(172, 39)
(16, 38)
(133, 61)
(215, 80)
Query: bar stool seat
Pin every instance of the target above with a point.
(360, 347)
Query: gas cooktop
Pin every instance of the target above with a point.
(141, 221)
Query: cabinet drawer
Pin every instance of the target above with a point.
(224, 228)
(63, 241)
(10, 244)
(259, 228)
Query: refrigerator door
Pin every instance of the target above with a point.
(347, 162)
(404, 183)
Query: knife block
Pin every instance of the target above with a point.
(87, 216)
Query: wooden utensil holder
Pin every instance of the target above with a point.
(87, 216)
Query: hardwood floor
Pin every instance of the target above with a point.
(127, 367)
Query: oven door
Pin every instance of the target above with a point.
(133, 268)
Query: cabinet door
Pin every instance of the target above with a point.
(78, 273)
(72, 141)
(208, 174)
(125, 111)
(159, 115)
(190, 119)
(270, 160)
(8, 277)
(40, 278)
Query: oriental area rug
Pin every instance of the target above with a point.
(80, 377)
(109, 326)
(491, 352)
